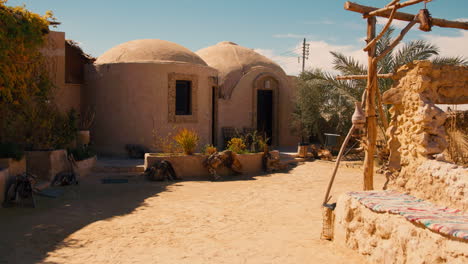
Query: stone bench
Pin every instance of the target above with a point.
(388, 227)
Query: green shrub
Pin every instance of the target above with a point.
(11, 150)
(82, 152)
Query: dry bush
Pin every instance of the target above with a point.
(237, 145)
(456, 127)
(188, 140)
(165, 144)
(209, 149)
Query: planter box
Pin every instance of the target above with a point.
(5, 180)
(15, 167)
(46, 164)
(84, 167)
(191, 166)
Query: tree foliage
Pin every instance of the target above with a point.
(28, 114)
(22, 71)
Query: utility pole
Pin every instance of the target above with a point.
(305, 53)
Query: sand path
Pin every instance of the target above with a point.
(266, 219)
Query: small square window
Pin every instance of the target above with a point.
(183, 97)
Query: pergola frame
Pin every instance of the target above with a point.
(372, 92)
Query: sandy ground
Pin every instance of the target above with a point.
(265, 219)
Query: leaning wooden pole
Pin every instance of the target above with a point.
(370, 109)
(337, 164)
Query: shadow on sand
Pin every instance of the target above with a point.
(27, 234)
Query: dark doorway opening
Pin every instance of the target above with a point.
(265, 113)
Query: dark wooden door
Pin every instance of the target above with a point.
(265, 113)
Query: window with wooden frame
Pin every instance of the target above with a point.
(183, 100)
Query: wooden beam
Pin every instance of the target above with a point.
(397, 39)
(368, 181)
(362, 77)
(350, 6)
(389, 8)
(389, 22)
(392, 2)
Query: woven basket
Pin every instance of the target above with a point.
(328, 223)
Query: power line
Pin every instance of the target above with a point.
(293, 51)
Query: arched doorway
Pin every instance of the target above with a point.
(265, 113)
(266, 107)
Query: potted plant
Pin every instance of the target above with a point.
(86, 121)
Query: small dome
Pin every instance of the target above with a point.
(233, 62)
(149, 50)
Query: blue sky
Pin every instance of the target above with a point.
(274, 28)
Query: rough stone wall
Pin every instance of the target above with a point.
(417, 133)
(389, 238)
(443, 183)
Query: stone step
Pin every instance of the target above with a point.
(119, 169)
(109, 165)
(42, 184)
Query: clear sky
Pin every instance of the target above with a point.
(274, 28)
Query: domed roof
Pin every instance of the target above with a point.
(149, 50)
(233, 62)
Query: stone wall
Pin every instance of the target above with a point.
(417, 134)
(443, 183)
(389, 238)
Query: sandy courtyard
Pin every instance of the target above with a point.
(265, 219)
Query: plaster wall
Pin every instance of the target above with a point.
(191, 166)
(15, 166)
(66, 95)
(131, 101)
(46, 164)
(239, 110)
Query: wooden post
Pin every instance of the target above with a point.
(370, 109)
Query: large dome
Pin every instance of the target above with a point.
(149, 50)
(233, 62)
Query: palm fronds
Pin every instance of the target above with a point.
(347, 65)
(414, 50)
(458, 60)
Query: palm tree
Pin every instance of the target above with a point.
(339, 95)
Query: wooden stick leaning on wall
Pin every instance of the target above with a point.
(337, 164)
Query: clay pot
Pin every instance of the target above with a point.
(83, 137)
(358, 119)
(302, 150)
